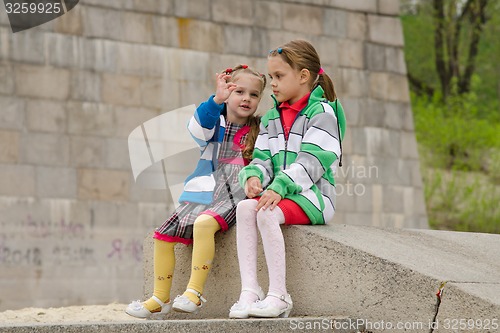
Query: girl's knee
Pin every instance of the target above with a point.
(204, 223)
(246, 214)
(246, 205)
(267, 219)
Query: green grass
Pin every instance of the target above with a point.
(460, 162)
(453, 135)
(461, 201)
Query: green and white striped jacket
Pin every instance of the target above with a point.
(303, 167)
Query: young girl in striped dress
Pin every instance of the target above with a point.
(295, 158)
(225, 128)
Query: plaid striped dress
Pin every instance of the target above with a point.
(227, 193)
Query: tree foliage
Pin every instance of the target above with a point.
(456, 27)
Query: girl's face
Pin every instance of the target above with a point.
(288, 84)
(244, 100)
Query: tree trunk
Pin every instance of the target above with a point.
(439, 47)
(448, 27)
(478, 19)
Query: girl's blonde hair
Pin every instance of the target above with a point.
(300, 54)
(253, 121)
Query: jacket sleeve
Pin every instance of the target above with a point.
(261, 165)
(202, 125)
(319, 149)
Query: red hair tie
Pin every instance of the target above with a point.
(321, 71)
(244, 66)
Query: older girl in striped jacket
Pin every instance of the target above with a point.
(295, 158)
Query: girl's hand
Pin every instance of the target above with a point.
(253, 187)
(269, 198)
(224, 88)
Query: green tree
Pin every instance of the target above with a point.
(455, 49)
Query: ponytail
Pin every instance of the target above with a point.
(327, 84)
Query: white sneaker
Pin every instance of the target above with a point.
(137, 309)
(264, 310)
(184, 304)
(240, 311)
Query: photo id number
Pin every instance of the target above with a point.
(33, 8)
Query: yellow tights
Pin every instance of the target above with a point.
(205, 227)
(164, 264)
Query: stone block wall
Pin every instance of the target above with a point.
(72, 219)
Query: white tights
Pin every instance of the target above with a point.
(268, 222)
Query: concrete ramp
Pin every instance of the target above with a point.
(342, 279)
(387, 278)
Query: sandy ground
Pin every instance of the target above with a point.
(75, 314)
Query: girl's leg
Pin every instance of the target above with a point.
(246, 238)
(273, 242)
(205, 227)
(164, 264)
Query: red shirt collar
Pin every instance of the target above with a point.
(297, 106)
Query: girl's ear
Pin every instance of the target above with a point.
(305, 75)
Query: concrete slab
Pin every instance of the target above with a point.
(467, 262)
(444, 255)
(386, 277)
